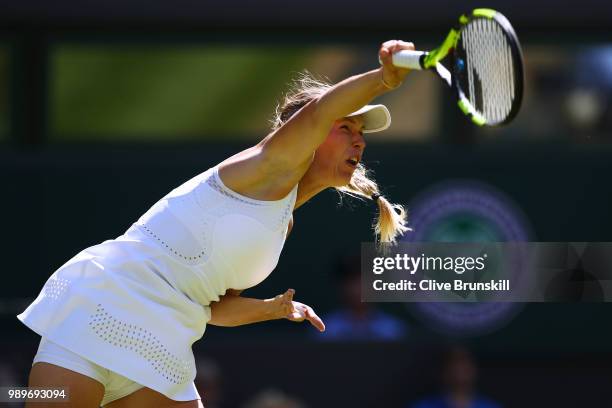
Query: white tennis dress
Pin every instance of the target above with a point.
(136, 304)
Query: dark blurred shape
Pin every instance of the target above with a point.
(5, 83)
(209, 382)
(9, 378)
(577, 273)
(458, 379)
(356, 320)
(273, 398)
(588, 102)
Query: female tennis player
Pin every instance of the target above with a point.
(118, 320)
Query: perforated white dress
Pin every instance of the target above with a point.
(136, 304)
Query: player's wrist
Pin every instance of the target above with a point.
(275, 308)
(388, 83)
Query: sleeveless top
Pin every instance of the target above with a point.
(227, 240)
(136, 304)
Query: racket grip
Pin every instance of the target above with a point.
(409, 59)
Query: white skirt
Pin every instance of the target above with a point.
(115, 305)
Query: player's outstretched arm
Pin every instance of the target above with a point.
(233, 310)
(295, 141)
(272, 168)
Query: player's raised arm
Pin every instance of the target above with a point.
(294, 143)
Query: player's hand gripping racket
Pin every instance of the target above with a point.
(485, 66)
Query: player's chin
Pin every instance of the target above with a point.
(344, 176)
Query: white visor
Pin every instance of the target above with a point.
(375, 118)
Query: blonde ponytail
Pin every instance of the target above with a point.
(391, 220)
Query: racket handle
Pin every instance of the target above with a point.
(409, 59)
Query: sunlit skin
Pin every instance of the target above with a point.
(330, 166)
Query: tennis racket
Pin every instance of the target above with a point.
(485, 66)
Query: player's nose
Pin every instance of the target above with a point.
(358, 141)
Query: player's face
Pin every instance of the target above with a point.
(339, 155)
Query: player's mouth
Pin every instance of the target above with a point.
(353, 161)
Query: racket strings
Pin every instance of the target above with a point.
(490, 70)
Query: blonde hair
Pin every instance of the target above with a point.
(391, 220)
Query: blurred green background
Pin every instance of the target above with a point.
(151, 93)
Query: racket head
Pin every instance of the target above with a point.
(487, 68)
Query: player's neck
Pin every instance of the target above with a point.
(309, 186)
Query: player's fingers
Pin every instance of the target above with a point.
(288, 295)
(384, 56)
(402, 45)
(315, 320)
(288, 301)
(386, 51)
(389, 48)
(391, 43)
